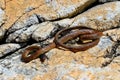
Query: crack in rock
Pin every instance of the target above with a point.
(44, 31)
(7, 48)
(37, 25)
(38, 32)
(105, 17)
(113, 34)
(26, 23)
(111, 54)
(22, 35)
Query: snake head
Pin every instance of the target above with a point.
(30, 53)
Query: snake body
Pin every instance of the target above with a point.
(83, 33)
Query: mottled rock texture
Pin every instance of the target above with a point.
(103, 1)
(8, 48)
(24, 23)
(101, 17)
(2, 4)
(2, 21)
(47, 9)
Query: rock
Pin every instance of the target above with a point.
(82, 72)
(117, 59)
(26, 19)
(24, 24)
(2, 16)
(114, 34)
(105, 19)
(49, 10)
(2, 21)
(8, 48)
(64, 71)
(2, 4)
(100, 50)
(41, 22)
(2, 33)
(64, 22)
(118, 50)
(22, 35)
(103, 1)
(43, 31)
(38, 32)
(106, 16)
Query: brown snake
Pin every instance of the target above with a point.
(82, 32)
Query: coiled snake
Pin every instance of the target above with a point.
(89, 35)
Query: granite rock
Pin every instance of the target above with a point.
(104, 1)
(24, 24)
(40, 21)
(114, 34)
(8, 48)
(37, 32)
(106, 16)
(2, 21)
(38, 12)
(44, 31)
(47, 9)
(2, 33)
(2, 4)
(2, 16)
(22, 35)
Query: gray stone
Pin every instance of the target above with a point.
(104, 44)
(2, 16)
(62, 64)
(13, 36)
(114, 34)
(22, 35)
(118, 50)
(2, 20)
(103, 1)
(38, 32)
(43, 32)
(64, 22)
(106, 16)
(7, 48)
(2, 33)
(63, 9)
(22, 24)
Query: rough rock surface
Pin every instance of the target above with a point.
(47, 9)
(106, 16)
(2, 20)
(8, 48)
(103, 19)
(37, 21)
(43, 31)
(2, 4)
(2, 16)
(103, 1)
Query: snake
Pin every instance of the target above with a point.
(84, 33)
